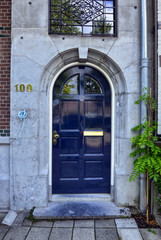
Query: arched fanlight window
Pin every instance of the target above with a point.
(71, 86)
(92, 86)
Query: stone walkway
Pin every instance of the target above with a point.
(105, 229)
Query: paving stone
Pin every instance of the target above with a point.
(84, 223)
(27, 223)
(3, 230)
(46, 224)
(149, 235)
(83, 234)
(2, 216)
(38, 234)
(19, 219)
(61, 234)
(106, 234)
(126, 223)
(10, 218)
(63, 224)
(17, 233)
(129, 234)
(106, 223)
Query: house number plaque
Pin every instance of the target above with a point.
(23, 87)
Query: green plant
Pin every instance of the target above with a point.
(31, 216)
(146, 153)
(152, 231)
(67, 87)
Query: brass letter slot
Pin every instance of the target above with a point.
(93, 133)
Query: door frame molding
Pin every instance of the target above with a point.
(112, 117)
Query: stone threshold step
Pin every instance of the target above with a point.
(81, 210)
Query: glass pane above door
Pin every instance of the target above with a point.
(92, 86)
(71, 86)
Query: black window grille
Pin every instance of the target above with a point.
(83, 17)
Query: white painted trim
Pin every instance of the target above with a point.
(112, 116)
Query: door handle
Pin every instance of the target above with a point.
(55, 137)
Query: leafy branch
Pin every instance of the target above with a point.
(146, 153)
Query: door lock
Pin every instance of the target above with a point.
(55, 137)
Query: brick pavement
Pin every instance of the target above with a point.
(102, 229)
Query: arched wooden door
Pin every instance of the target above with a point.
(81, 132)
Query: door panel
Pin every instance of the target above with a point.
(93, 169)
(69, 145)
(82, 119)
(93, 145)
(93, 114)
(69, 170)
(69, 114)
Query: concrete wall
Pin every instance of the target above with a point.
(36, 59)
(5, 52)
(4, 173)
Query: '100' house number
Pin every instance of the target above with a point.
(22, 87)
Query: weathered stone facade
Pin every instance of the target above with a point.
(5, 52)
(38, 58)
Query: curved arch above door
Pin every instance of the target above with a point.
(81, 132)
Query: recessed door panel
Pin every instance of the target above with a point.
(93, 145)
(69, 114)
(69, 145)
(69, 169)
(82, 132)
(94, 169)
(93, 114)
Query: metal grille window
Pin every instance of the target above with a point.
(83, 17)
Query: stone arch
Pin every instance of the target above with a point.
(96, 57)
(58, 64)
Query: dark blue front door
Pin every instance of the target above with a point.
(81, 132)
